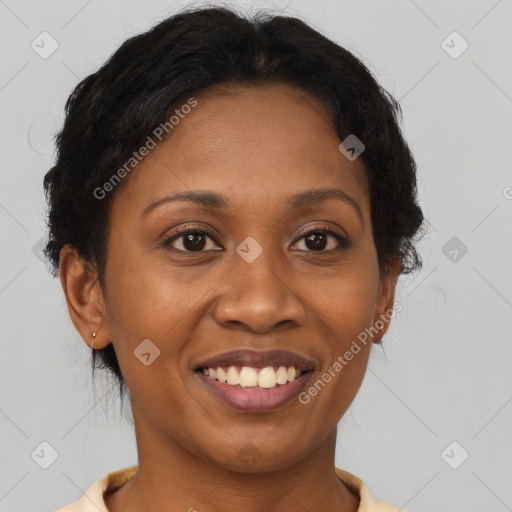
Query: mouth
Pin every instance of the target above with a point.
(256, 381)
(248, 377)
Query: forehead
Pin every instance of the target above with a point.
(250, 142)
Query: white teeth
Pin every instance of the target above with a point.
(233, 377)
(265, 378)
(282, 375)
(221, 375)
(248, 377)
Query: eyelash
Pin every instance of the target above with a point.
(186, 230)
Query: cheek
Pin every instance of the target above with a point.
(344, 317)
(144, 302)
(346, 300)
(142, 286)
(345, 307)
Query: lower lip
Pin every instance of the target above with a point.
(255, 400)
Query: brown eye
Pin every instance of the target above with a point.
(321, 240)
(191, 240)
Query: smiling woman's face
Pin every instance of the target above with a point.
(202, 296)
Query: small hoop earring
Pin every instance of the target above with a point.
(92, 342)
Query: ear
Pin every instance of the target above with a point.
(84, 297)
(386, 296)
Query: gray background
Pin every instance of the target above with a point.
(444, 375)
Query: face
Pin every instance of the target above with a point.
(261, 269)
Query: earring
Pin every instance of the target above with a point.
(92, 342)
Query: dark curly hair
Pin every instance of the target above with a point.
(111, 113)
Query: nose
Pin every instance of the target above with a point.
(258, 297)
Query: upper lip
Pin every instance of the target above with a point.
(256, 359)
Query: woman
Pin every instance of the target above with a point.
(231, 206)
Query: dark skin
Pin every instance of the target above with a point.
(256, 146)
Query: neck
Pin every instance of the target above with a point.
(170, 477)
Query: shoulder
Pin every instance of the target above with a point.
(92, 500)
(367, 502)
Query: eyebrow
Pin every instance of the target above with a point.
(210, 199)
